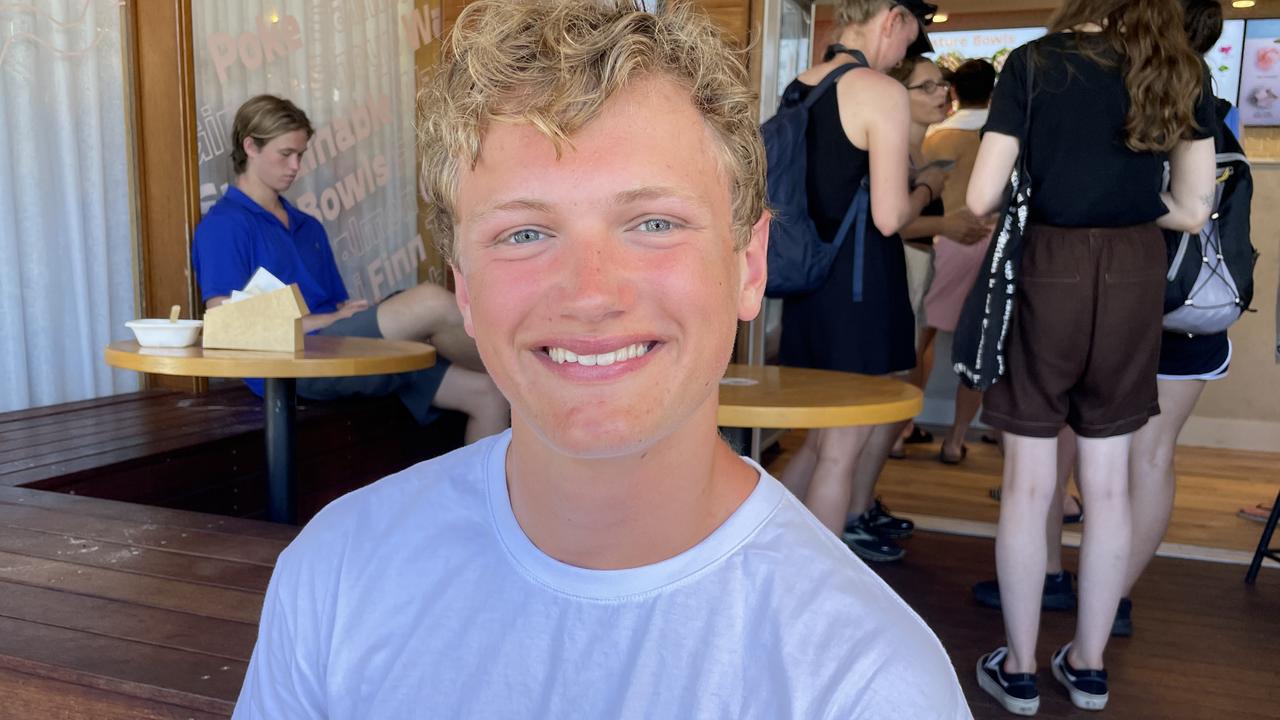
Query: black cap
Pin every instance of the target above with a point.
(923, 13)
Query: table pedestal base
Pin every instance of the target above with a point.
(282, 440)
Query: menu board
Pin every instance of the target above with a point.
(1260, 74)
(953, 48)
(1224, 61)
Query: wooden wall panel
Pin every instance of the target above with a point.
(733, 16)
(168, 176)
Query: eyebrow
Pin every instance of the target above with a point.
(517, 204)
(655, 192)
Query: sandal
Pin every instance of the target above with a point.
(918, 436)
(952, 460)
(1074, 518)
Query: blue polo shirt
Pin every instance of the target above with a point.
(238, 236)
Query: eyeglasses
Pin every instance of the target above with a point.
(930, 86)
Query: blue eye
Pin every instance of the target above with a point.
(525, 236)
(657, 225)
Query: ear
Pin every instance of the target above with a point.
(250, 147)
(753, 269)
(463, 297)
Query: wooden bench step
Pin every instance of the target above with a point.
(206, 452)
(111, 610)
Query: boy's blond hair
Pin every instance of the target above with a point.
(554, 64)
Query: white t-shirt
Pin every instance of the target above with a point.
(420, 597)
(963, 119)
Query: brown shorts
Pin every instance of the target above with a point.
(1084, 341)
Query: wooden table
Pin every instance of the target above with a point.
(769, 396)
(322, 356)
(115, 611)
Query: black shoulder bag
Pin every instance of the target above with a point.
(977, 351)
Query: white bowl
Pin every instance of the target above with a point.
(165, 333)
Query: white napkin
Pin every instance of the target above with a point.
(261, 282)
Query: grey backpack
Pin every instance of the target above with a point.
(1210, 277)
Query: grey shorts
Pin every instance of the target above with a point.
(417, 389)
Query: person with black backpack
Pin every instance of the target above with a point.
(1189, 359)
(854, 196)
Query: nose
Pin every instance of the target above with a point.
(295, 162)
(594, 284)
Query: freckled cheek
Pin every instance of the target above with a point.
(503, 299)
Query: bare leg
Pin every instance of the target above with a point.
(475, 394)
(799, 470)
(838, 453)
(1105, 550)
(871, 461)
(1151, 479)
(967, 404)
(1026, 499)
(918, 376)
(1053, 523)
(429, 313)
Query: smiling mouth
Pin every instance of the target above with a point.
(560, 355)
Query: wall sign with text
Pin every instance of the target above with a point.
(349, 64)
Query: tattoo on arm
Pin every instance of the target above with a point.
(1207, 200)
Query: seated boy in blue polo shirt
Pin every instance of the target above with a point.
(254, 226)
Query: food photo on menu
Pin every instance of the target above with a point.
(1260, 74)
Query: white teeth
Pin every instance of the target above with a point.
(561, 355)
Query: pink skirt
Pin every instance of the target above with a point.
(955, 268)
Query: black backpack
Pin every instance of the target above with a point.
(799, 261)
(1210, 278)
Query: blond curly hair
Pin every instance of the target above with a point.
(857, 12)
(554, 64)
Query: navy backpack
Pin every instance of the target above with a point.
(799, 260)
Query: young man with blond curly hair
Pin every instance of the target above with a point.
(597, 181)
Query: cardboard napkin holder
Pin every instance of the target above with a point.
(271, 322)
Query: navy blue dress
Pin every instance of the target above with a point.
(825, 329)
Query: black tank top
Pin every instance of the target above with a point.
(835, 167)
(826, 329)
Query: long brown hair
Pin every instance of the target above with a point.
(1163, 75)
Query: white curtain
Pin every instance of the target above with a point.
(350, 67)
(66, 246)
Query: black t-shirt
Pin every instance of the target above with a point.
(1083, 174)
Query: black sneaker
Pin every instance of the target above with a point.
(1058, 593)
(888, 525)
(1122, 626)
(868, 544)
(1087, 688)
(1016, 692)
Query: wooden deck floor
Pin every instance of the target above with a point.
(1213, 485)
(110, 610)
(1204, 644)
